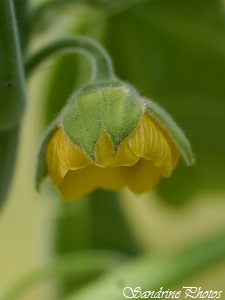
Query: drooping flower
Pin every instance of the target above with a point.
(108, 137)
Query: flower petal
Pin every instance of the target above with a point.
(141, 177)
(62, 155)
(55, 169)
(71, 156)
(79, 183)
(106, 156)
(149, 142)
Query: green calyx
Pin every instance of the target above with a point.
(115, 107)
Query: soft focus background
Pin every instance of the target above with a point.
(173, 52)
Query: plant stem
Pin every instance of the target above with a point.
(12, 81)
(8, 151)
(102, 66)
(12, 94)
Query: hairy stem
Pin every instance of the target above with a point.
(102, 66)
(12, 81)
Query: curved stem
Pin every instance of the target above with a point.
(102, 66)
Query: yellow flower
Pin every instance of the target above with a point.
(140, 160)
(108, 136)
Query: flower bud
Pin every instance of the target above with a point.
(109, 137)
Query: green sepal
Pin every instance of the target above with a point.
(82, 121)
(173, 130)
(115, 107)
(121, 110)
(41, 169)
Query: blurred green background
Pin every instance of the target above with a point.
(173, 52)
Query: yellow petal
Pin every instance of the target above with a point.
(71, 156)
(141, 160)
(55, 169)
(141, 177)
(106, 156)
(62, 155)
(149, 142)
(79, 183)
